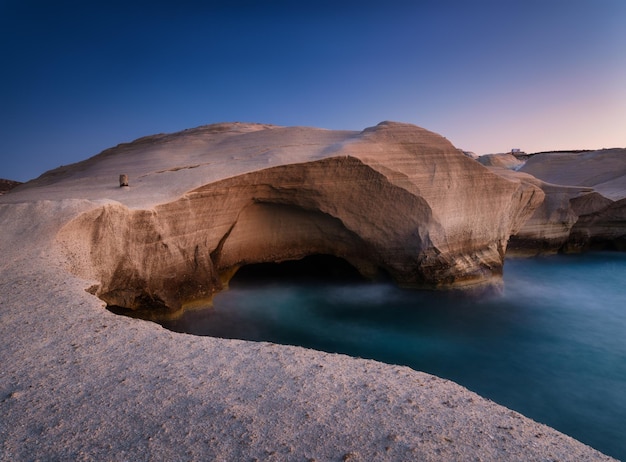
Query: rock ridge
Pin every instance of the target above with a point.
(8, 185)
(390, 200)
(583, 208)
(79, 383)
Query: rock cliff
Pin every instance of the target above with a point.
(393, 199)
(583, 207)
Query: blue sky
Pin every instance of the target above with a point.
(78, 77)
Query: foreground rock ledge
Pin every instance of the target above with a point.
(393, 200)
(79, 383)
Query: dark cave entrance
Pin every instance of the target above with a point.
(319, 268)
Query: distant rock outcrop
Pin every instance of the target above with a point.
(601, 229)
(507, 160)
(78, 383)
(7, 185)
(394, 199)
(583, 207)
(603, 170)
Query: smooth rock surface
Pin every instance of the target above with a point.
(603, 170)
(79, 383)
(582, 208)
(394, 199)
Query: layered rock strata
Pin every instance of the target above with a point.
(394, 199)
(79, 383)
(583, 207)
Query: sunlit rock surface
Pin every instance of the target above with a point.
(393, 200)
(505, 160)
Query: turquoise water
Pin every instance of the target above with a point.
(552, 346)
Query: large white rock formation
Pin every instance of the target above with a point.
(584, 205)
(80, 383)
(394, 199)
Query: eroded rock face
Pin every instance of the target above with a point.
(549, 228)
(603, 170)
(602, 229)
(394, 199)
(583, 201)
(7, 185)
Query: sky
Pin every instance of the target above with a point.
(78, 76)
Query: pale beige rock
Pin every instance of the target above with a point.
(79, 383)
(579, 211)
(601, 228)
(549, 227)
(394, 199)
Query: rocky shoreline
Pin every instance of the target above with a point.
(79, 383)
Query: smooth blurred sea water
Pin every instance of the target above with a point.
(552, 346)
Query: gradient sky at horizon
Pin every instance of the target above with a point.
(490, 75)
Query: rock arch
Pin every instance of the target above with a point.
(182, 252)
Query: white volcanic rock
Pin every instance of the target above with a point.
(603, 170)
(582, 207)
(394, 199)
(549, 227)
(600, 228)
(79, 383)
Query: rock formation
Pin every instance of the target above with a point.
(507, 160)
(394, 199)
(603, 170)
(7, 185)
(79, 383)
(583, 207)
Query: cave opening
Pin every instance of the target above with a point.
(312, 269)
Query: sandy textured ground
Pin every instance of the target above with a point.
(79, 383)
